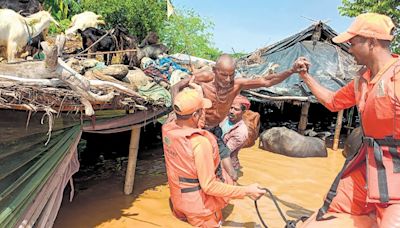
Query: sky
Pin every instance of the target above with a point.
(248, 25)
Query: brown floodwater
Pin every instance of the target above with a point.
(298, 183)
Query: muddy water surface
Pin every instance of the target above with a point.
(298, 183)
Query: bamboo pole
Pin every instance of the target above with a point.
(130, 170)
(337, 130)
(100, 53)
(304, 118)
(279, 98)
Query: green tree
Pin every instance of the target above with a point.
(190, 34)
(182, 32)
(391, 8)
(139, 16)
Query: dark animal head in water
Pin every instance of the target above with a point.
(353, 142)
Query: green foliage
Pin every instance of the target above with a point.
(139, 16)
(190, 34)
(62, 9)
(182, 32)
(64, 24)
(391, 8)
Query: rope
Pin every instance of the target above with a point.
(289, 223)
(29, 34)
(49, 114)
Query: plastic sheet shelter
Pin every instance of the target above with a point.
(332, 65)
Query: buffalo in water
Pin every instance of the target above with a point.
(282, 140)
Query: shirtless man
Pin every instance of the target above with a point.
(221, 87)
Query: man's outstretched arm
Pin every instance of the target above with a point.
(268, 80)
(197, 77)
(334, 101)
(323, 94)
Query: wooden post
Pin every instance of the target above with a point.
(337, 130)
(303, 117)
(130, 170)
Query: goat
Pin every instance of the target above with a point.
(83, 21)
(152, 51)
(127, 41)
(107, 43)
(149, 47)
(150, 39)
(16, 31)
(34, 47)
(26, 8)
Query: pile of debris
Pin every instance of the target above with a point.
(76, 84)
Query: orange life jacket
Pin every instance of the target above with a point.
(186, 193)
(380, 150)
(381, 141)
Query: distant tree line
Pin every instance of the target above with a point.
(184, 31)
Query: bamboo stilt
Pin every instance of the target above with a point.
(130, 170)
(336, 138)
(303, 118)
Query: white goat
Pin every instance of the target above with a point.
(16, 31)
(82, 21)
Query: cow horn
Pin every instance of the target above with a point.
(49, 10)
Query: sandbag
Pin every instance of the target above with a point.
(252, 121)
(118, 71)
(137, 77)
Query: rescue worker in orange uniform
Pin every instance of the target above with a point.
(368, 187)
(198, 185)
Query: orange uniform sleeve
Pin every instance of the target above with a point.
(203, 159)
(342, 99)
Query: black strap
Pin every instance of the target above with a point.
(332, 191)
(191, 189)
(387, 141)
(188, 180)
(192, 181)
(218, 172)
(392, 144)
(382, 180)
(395, 158)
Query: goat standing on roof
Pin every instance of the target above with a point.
(17, 31)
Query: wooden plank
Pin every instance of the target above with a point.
(130, 170)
